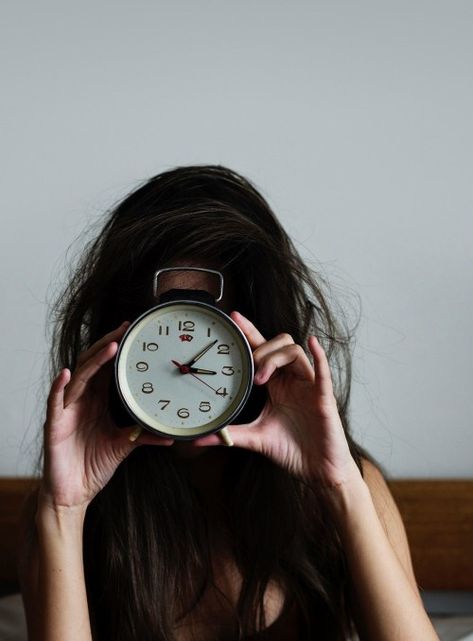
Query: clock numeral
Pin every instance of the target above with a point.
(204, 406)
(183, 412)
(147, 388)
(228, 370)
(222, 391)
(166, 403)
(208, 332)
(223, 349)
(151, 347)
(186, 326)
(142, 366)
(163, 330)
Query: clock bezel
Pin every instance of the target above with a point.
(190, 433)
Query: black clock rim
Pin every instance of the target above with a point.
(248, 353)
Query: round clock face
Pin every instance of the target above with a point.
(184, 369)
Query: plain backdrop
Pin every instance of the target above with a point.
(354, 119)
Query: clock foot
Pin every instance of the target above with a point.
(225, 436)
(135, 433)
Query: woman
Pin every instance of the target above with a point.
(290, 534)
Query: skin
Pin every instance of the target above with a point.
(299, 429)
(82, 445)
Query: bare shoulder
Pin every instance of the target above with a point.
(380, 492)
(390, 517)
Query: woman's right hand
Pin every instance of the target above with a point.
(82, 445)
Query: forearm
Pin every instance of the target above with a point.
(388, 605)
(63, 608)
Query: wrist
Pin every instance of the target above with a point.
(51, 517)
(346, 496)
(62, 504)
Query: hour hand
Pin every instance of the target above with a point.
(185, 369)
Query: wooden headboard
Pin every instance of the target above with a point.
(438, 516)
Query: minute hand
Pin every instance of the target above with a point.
(200, 354)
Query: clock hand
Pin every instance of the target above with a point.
(185, 369)
(200, 354)
(199, 379)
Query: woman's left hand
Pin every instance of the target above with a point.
(299, 427)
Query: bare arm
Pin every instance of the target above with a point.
(63, 613)
(50, 569)
(386, 601)
(82, 449)
(301, 430)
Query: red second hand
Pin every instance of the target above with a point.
(199, 379)
(185, 369)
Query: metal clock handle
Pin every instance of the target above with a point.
(223, 433)
(193, 269)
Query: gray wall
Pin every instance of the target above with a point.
(353, 118)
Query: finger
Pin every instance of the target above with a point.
(98, 345)
(281, 340)
(55, 402)
(323, 377)
(290, 357)
(82, 376)
(253, 335)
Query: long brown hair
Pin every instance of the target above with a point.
(146, 534)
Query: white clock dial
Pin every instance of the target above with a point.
(158, 386)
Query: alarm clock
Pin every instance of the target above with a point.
(184, 368)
